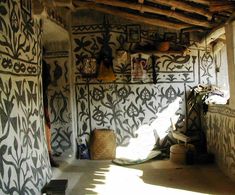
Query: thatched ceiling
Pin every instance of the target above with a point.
(193, 15)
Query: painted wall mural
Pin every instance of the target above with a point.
(220, 130)
(59, 102)
(125, 105)
(20, 41)
(176, 68)
(24, 163)
(124, 108)
(207, 68)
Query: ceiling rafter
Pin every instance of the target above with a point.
(190, 15)
(185, 7)
(204, 2)
(130, 16)
(218, 6)
(155, 10)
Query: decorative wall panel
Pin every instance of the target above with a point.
(124, 108)
(59, 102)
(176, 68)
(207, 70)
(24, 163)
(126, 105)
(220, 129)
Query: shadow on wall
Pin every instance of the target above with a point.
(140, 147)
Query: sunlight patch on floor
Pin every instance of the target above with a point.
(130, 182)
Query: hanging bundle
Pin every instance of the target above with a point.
(105, 57)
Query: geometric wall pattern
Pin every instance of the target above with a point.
(24, 163)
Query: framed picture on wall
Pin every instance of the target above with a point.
(133, 33)
(89, 67)
(139, 67)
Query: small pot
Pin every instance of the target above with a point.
(163, 46)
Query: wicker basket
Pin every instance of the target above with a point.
(103, 144)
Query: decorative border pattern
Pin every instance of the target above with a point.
(175, 68)
(222, 110)
(18, 67)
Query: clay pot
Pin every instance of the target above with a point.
(163, 46)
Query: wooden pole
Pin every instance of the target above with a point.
(155, 10)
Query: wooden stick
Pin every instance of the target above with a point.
(126, 15)
(155, 10)
(185, 7)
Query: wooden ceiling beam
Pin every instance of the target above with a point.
(218, 6)
(204, 2)
(155, 10)
(185, 7)
(129, 16)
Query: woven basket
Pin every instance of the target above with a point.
(103, 144)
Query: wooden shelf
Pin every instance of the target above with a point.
(151, 52)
